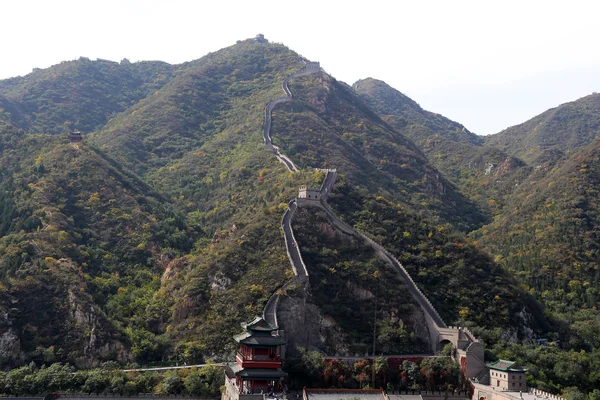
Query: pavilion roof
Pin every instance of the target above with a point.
(259, 324)
(506, 365)
(258, 373)
(254, 339)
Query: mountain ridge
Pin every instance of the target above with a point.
(559, 130)
(190, 162)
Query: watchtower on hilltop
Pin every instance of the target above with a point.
(260, 38)
(309, 196)
(313, 66)
(75, 136)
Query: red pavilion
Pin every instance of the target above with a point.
(258, 367)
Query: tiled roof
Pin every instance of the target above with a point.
(258, 373)
(252, 339)
(259, 324)
(505, 365)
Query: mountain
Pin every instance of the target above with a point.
(548, 233)
(558, 131)
(537, 182)
(485, 174)
(160, 232)
(81, 93)
(398, 109)
(75, 230)
(547, 236)
(367, 150)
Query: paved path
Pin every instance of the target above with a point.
(270, 310)
(290, 241)
(428, 355)
(327, 185)
(171, 368)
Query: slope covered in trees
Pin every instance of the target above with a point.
(548, 234)
(81, 232)
(544, 214)
(558, 131)
(81, 93)
(398, 109)
(160, 233)
(484, 174)
(329, 126)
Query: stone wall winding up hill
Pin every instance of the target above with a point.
(438, 331)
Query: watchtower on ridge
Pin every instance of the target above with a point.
(309, 196)
(75, 136)
(313, 66)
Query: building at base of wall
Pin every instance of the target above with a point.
(257, 370)
(507, 375)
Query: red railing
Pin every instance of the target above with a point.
(258, 361)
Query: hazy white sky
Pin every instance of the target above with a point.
(485, 64)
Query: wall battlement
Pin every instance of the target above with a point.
(545, 395)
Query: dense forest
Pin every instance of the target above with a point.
(151, 240)
(538, 182)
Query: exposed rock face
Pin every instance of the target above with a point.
(318, 100)
(521, 332)
(98, 345)
(219, 282)
(10, 347)
(358, 291)
(173, 267)
(505, 167)
(306, 326)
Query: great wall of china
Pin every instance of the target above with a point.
(468, 350)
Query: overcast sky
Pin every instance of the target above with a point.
(485, 64)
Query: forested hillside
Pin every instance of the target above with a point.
(82, 93)
(544, 214)
(558, 131)
(151, 240)
(484, 174)
(370, 152)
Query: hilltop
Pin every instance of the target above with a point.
(483, 173)
(560, 130)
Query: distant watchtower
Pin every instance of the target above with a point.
(312, 67)
(309, 196)
(75, 136)
(260, 38)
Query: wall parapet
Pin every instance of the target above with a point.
(545, 395)
(430, 311)
(295, 207)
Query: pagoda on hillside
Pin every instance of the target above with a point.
(75, 136)
(258, 361)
